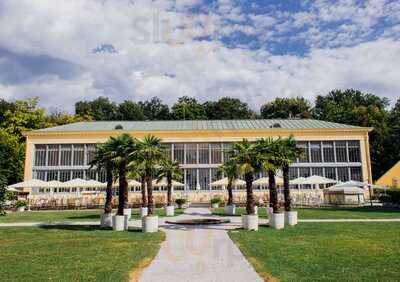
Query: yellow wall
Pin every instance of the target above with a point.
(360, 134)
(391, 177)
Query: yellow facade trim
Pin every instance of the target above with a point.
(391, 176)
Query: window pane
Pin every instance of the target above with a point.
(215, 153)
(191, 153)
(317, 171)
(355, 173)
(191, 179)
(65, 175)
(77, 174)
(39, 174)
(102, 176)
(66, 155)
(304, 172)
(91, 174)
(179, 152)
(227, 151)
(204, 178)
(90, 151)
(167, 148)
(341, 152)
(304, 147)
(330, 172)
(52, 175)
(79, 154)
(354, 151)
(40, 155)
(292, 173)
(315, 148)
(329, 154)
(343, 174)
(203, 153)
(52, 155)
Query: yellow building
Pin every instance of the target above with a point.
(391, 177)
(332, 150)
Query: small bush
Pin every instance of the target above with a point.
(216, 200)
(20, 204)
(390, 197)
(180, 202)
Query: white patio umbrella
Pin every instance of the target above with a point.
(75, 183)
(163, 182)
(131, 183)
(224, 182)
(297, 181)
(345, 189)
(265, 181)
(315, 179)
(10, 189)
(33, 183)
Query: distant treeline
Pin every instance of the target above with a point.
(343, 106)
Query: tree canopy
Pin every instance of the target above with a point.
(287, 108)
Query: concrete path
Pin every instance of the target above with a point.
(200, 253)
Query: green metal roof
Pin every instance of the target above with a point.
(180, 125)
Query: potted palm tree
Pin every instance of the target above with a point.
(289, 152)
(137, 172)
(149, 154)
(270, 158)
(21, 205)
(102, 160)
(230, 170)
(121, 148)
(247, 160)
(168, 171)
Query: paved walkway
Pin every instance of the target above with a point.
(199, 254)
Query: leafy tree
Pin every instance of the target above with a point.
(11, 157)
(169, 170)
(23, 116)
(230, 169)
(149, 153)
(4, 107)
(391, 146)
(227, 108)
(3, 193)
(356, 108)
(61, 118)
(287, 108)
(154, 109)
(129, 110)
(188, 108)
(246, 158)
(98, 109)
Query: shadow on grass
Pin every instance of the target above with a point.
(358, 209)
(89, 216)
(84, 228)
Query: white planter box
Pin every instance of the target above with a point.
(244, 221)
(215, 206)
(150, 224)
(230, 210)
(278, 220)
(291, 218)
(119, 222)
(126, 222)
(106, 220)
(128, 212)
(169, 210)
(144, 211)
(21, 209)
(255, 209)
(251, 222)
(270, 211)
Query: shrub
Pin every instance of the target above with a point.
(20, 204)
(390, 197)
(180, 202)
(216, 200)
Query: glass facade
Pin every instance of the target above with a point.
(339, 160)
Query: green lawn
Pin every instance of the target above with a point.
(78, 215)
(324, 251)
(332, 213)
(73, 253)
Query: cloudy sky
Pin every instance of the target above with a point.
(64, 51)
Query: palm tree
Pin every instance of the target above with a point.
(136, 171)
(101, 161)
(169, 170)
(246, 158)
(267, 149)
(120, 148)
(149, 154)
(288, 152)
(230, 169)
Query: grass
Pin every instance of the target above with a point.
(73, 253)
(324, 251)
(71, 215)
(331, 213)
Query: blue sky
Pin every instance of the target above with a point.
(65, 51)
